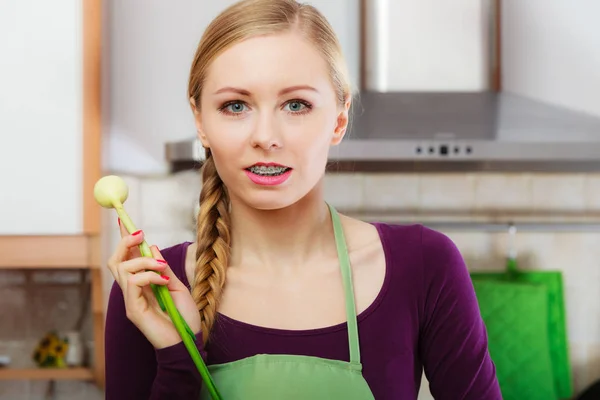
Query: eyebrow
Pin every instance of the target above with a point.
(244, 92)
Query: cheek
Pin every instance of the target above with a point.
(311, 136)
(226, 137)
(227, 142)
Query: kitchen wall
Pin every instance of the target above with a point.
(551, 51)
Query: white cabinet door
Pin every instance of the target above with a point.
(40, 117)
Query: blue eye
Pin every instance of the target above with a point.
(235, 107)
(295, 106)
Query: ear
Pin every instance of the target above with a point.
(341, 122)
(198, 123)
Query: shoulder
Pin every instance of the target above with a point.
(175, 256)
(426, 255)
(435, 248)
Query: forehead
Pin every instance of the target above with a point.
(269, 63)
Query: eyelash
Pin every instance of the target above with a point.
(306, 110)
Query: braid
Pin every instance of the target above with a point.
(212, 254)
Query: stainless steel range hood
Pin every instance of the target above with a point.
(469, 130)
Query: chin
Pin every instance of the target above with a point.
(270, 200)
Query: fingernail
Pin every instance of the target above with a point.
(119, 221)
(161, 261)
(166, 278)
(137, 232)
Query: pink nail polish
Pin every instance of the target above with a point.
(161, 261)
(137, 232)
(166, 278)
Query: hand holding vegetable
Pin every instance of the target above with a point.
(134, 274)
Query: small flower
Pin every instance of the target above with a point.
(60, 349)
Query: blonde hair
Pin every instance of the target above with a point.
(243, 20)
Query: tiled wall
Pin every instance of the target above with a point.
(163, 207)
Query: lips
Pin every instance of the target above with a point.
(270, 174)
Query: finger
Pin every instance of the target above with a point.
(122, 252)
(122, 229)
(135, 288)
(148, 293)
(134, 251)
(174, 282)
(142, 264)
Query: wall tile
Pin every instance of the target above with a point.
(592, 192)
(14, 390)
(580, 365)
(447, 192)
(56, 277)
(559, 192)
(507, 192)
(344, 191)
(18, 350)
(11, 278)
(53, 308)
(15, 321)
(591, 304)
(578, 254)
(391, 192)
(577, 308)
(593, 363)
(168, 202)
(534, 250)
(66, 390)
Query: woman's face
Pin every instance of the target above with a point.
(269, 114)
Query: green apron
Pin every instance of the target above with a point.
(282, 376)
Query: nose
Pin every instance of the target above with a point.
(266, 134)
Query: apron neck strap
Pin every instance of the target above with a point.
(344, 260)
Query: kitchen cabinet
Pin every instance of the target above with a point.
(50, 150)
(41, 118)
(150, 50)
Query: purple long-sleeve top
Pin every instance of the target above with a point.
(426, 317)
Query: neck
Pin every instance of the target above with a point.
(287, 238)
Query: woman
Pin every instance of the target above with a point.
(343, 308)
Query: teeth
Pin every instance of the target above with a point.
(262, 170)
